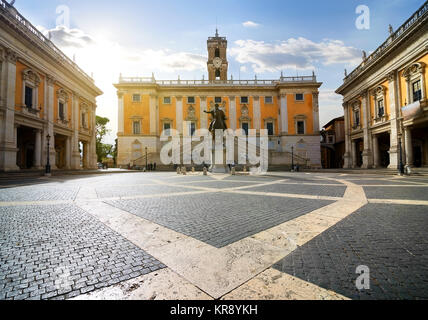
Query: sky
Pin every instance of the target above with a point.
(168, 38)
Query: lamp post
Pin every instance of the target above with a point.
(292, 158)
(48, 165)
(146, 159)
(400, 165)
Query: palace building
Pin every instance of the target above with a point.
(287, 107)
(45, 99)
(385, 101)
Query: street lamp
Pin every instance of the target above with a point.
(292, 158)
(48, 165)
(400, 165)
(146, 159)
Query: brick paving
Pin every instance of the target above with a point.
(392, 240)
(325, 190)
(404, 193)
(37, 193)
(219, 219)
(58, 252)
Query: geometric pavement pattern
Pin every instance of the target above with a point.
(58, 251)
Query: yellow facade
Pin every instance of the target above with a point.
(147, 104)
(44, 97)
(389, 92)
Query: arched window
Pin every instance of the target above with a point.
(217, 73)
(217, 53)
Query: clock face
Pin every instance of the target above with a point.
(217, 62)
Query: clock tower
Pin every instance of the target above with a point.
(217, 58)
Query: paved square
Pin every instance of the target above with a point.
(169, 236)
(392, 240)
(61, 252)
(219, 219)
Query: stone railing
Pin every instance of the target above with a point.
(255, 82)
(24, 25)
(418, 16)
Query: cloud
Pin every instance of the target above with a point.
(75, 41)
(293, 53)
(68, 38)
(107, 59)
(250, 24)
(330, 106)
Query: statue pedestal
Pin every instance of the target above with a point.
(219, 168)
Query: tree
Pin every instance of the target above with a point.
(103, 150)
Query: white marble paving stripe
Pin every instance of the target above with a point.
(284, 195)
(163, 284)
(275, 285)
(400, 201)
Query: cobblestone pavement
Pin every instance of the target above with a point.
(391, 240)
(280, 236)
(200, 216)
(58, 252)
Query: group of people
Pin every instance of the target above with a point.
(151, 167)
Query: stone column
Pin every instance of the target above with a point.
(376, 154)
(50, 110)
(68, 153)
(367, 152)
(179, 114)
(75, 153)
(204, 116)
(315, 112)
(38, 149)
(394, 156)
(121, 117)
(284, 114)
(8, 147)
(232, 113)
(408, 146)
(93, 143)
(256, 113)
(348, 145)
(354, 154)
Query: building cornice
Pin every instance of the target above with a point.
(10, 16)
(411, 26)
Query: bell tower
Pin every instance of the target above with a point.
(217, 58)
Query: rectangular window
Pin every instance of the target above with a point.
(84, 120)
(167, 128)
(136, 98)
(61, 111)
(28, 97)
(299, 97)
(380, 108)
(357, 117)
(167, 100)
(417, 91)
(217, 99)
(269, 127)
(244, 100)
(137, 127)
(245, 127)
(190, 100)
(268, 100)
(300, 127)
